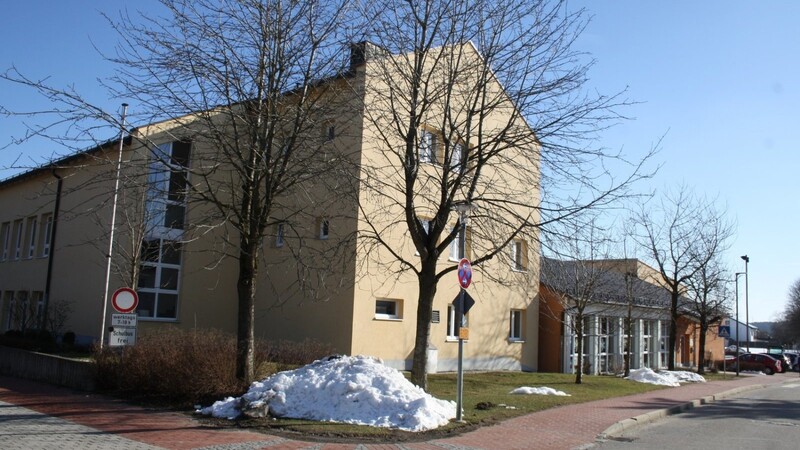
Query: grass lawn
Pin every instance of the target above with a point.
(486, 401)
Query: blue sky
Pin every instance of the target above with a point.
(720, 80)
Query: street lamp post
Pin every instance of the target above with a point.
(747, 299)
(463, 209)
(737, 320)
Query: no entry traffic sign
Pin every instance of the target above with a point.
(464, 273)
(125, 300)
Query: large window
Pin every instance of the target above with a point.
(605, 344)
(573, 342)
(167, 186)
(648, 349)
(515, 325)
(663, 343)
(159, 279)
(160, 269)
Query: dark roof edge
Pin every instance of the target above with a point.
(59, 163)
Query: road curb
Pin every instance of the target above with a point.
(618, 429)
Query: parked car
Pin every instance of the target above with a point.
(759, 362)
(794, 360)
(786, 363)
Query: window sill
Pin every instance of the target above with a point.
(516, 341)
(388, 319)
(156, 319)
(519, 270)
(454, 339)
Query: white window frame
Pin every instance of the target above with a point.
(427, 147)
(6, 230)
(32, 229)
(280, 229)
(161, 170)
(456, 251)
(47, 234)
(648, 348)
(663, 343)
(452, 330)
(18, 225)
(456, 156)
(518, 249)
(398, 309)
(516, 318)
(156, 289)
(606, 330)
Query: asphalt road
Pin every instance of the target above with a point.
(762, 419)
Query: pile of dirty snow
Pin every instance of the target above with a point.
(349, 389)
(538, 391)
(664, 377)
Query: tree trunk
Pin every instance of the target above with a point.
(673, 330)
(245, 329)
(427, 291)
(626, 357)
(579, 357)
(701, 353)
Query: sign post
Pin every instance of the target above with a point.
(123, 325)
(463, 303)
(725, 332)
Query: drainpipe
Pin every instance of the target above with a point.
(51, 254)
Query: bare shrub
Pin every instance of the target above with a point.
(172, 366)
(182, 368)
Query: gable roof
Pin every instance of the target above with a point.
(609, 287)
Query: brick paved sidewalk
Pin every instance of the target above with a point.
(111, 422)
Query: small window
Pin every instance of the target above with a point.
(46, 234)
(329, 131)
(279, 239)
(518, 255)
(31, 233)
(515, 326)
(324, 228)
(18, 239)
(457, 155)
(426, 225)
(388, 309)
(5, 239)
(427, 146)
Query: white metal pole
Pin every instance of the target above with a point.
(113, 226)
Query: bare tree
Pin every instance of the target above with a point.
(580, 284)
(787, 329)
(479, 103)
(682, 235)
(250, 84)
(708, 301)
